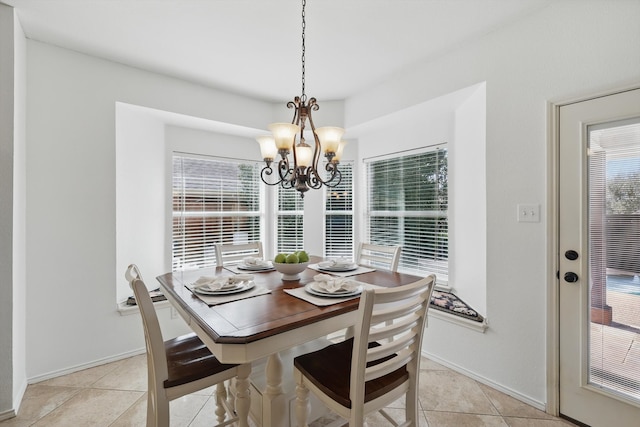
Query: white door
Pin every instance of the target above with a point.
(599, 232)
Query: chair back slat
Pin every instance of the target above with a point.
(232, 253)
(391, 348)
(392, 329)
(395, 312)
(379, 255)
(381, 369)
(405, 305)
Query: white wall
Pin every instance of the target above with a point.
(71, 198)
(468, 201)
(568, 50)
(19, 215)
(140, 197)
(12, 203)
(7, 107)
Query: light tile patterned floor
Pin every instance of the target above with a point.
(114, 395)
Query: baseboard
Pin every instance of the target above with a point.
(93, 364)
(516, 395)
(11, 413)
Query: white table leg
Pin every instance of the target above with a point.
(274, 407)
(243, 401)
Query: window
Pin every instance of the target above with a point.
(407, 206)
(290, 230)
(214, 201)
(338, 214)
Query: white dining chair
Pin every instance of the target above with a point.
(179, 366)
(234, 253)
(380, 364)
(379, 256)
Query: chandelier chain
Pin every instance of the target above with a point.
(304, 25)
(303, 173)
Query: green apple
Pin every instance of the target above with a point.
(292, 259)
(280, 258)
(303, 256)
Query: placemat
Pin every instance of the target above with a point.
(222, 299)
(361, 269)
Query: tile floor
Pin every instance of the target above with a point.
(114, 395)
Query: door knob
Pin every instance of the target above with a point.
(570, 277)
(571, 255)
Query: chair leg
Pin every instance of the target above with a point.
(303, 406)
(411, 405)
(151, 412)
(161, 411)
(231, 395)
(221, 397)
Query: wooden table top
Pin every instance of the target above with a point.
(252, 319)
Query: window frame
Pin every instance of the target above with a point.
(298, 215)
(368, 213)
(208, 258)
(349, 212)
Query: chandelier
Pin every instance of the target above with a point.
(301, 172)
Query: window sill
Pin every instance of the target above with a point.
(126, 310)
(460, 321)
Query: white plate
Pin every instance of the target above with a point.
(243, 286)
(339, 268)
(254, 267)
(339, 294)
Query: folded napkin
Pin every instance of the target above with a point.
(340, 262)
(258, 262)
(333, 284)
(221, 282)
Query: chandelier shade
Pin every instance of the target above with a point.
(339, 151)
(298, 165)
(268, 148)
(284, 134)
(329, 138)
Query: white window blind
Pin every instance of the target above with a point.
(214, 201)
(407, 206)
(290, 230)
(338, 228)
(614, 253)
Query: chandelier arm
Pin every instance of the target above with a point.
(268, 171)
(316, 181)
(336, 174)
(284, 169)
(313, 106)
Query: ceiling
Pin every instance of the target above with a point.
(253, 47)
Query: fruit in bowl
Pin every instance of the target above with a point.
(291, 265)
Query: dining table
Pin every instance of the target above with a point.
(273, 319)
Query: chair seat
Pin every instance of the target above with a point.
(188, 360)
(330, 370)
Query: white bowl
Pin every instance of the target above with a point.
(290, 271)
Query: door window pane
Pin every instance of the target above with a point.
(614, 264)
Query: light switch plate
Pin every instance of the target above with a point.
(528, 213)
